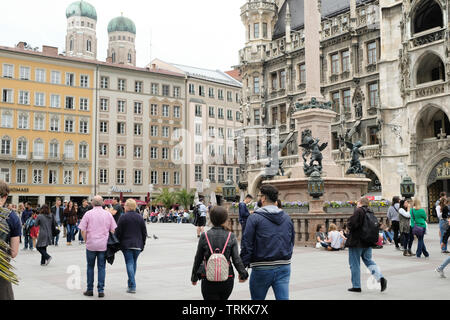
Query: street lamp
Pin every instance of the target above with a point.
(229, 191)
(315, 185)
(407, 188)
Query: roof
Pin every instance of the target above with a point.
(90, 62)
(81, 9)
(121, 24)
(236, 74)
(209, 75)
(296, 7)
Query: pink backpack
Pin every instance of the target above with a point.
(217, 267)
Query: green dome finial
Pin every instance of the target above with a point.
(122, 24)
(81, 9)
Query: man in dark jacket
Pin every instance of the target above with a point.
(243, 211)
(358, 249)
(267, 246)
(26, 214)
(80, 214)
(58, 213)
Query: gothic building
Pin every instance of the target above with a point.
(384, 66)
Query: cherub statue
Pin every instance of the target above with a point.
(312, 146)
(355, 164)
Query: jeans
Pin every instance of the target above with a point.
(277, 277)
(445, 264)
(71, 232)
(354, 256)
(178, 219)
(131, 263)
(442, 228)
(405, 241)
(395, 230)
(388, 235)
(44, 255)
(101, 266)
(421, 247)
(28, 242)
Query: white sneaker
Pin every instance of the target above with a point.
(441, 272)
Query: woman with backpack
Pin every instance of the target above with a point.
(214, 248)
(419, 227)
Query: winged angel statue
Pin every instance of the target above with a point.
(355, 164)
(312, 147)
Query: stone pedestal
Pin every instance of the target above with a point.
(316, 206)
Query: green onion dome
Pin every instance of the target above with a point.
(81, 9)
(121, 24)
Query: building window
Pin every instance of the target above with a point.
(201, 91)
(176, 133)
(84, 81)
(198, 110)
(38, 149)
(121, 128)
(346, 61)
(54, 149)
(220, 114)
(230, 115)
(198, 129)
(121, 106)
(154, 131)
(154, 177)
(8, 71)
(37, 176)
(137, 152)
(166, 180)
(121, 84)
(39, 99)
(24, 97)
(221, 175)
(104, 105)
(104, 83)
(69, 151)
(191, 88)
(238, 116)
(229, 96)
(373, 137)
(176, 92)
(373, 95)
(230, 174)
(70, 79)
(165, 132)
(22, 147)
(6, 147)
(264, 30)
(335, 63)
(7, 96)
(256, 117)
(84, 127)
(55, 77)
(198, 148)
(137, 129)
(211, 92)
(39, 122)
(103, 176)
(165, 111)
(25, 73)
(256, 85)
(335, 97)
(346, 101)
(40, 75)
(165, 90)
(23, 121)
(302, 76)
(82, 178)
(138, 177)
(176, 178)
(221, 133)
(70, 104)
(7, 121)
(176, 154)
(153, 153)
(229, 133)
(283, 79)
(220, 94)
(138, 108)
(83, 151)
(103, 150)
(176, 112)
(68, 126)
(54, 124)
(120, 177)
(198, 173)
(212, 174)
(211, 132)
(154, 110)
(103, 127)
(130, 58)
(21, 177)
(155, 89)
(211, 112)
(256, 30)
(138, 86)
(372, 53)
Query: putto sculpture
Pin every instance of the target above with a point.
(311, 147)
(355, 164)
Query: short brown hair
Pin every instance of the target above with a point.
(218, 216)
(4, 189)
(364, 201)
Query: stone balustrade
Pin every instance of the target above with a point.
(370, 152)
(430, 37)
(305, 224)
(430, 90)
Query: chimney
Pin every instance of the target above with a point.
(109, 60)
(50, 51)
(21, 45)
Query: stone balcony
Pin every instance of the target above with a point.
(427, 37)
(370, 152)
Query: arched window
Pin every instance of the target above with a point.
(5, 148)
(54, 149)
(71, 45)
(38, 149)
(89, 46)
(83, 151)
(431, 68)
(22, 147)
(130, 59)
(113, 57)
(428, 15)
(69, 150)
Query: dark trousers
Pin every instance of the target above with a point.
(6, 291)
(44, 255)
(406, 241)
(396, 228)
(217, 290)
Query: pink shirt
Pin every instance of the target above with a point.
(97, 223)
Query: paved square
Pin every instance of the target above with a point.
(164, 271)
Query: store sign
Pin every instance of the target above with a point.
(443, 171)
(19, 190)
(119, 190)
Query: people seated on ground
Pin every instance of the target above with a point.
(387, 234)
(321, 236)
(335, 238)
(186, 216)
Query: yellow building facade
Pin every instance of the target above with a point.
(47, 125)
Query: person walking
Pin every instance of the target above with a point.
(132, 234)
(85, 207)
(26, 214)
(58, 213)
(442, 211)
(221, 237)
(116, 209)
(95, 228)
(70, 216)
(440, 269)
(201, 220)
(34, 230)
(243, 211)
(10, 232)
(419, 227)
(267, 246)
(45, 221)
(392, 216)
(359, 249)
(405, 228)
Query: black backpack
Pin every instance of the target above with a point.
(370, 228)
(197, 211)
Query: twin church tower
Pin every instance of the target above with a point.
(81, 38)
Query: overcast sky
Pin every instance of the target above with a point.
(200, 33)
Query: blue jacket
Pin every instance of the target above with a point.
(268, 238)
(25, 215)
(243, 214)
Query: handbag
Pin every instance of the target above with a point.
(416, 230)
(55, 230)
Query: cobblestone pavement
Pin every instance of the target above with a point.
(164, 270)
